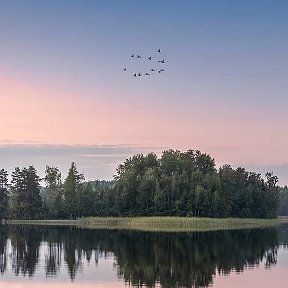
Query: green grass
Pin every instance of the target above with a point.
(172, 224)
(175, 223)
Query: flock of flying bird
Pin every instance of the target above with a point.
(152, 70)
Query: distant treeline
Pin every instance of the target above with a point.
(176, 184)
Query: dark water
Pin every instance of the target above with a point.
(68, 257)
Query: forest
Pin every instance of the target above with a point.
(174, 184)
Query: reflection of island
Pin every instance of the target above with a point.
(191, 260)
(143, 258)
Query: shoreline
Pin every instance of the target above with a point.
(164, 224)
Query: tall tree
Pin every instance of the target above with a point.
(17, 210)
(4, 194)
(54, 198)
(26, 200)
(87, 198)
(71, 191)
(271, 197)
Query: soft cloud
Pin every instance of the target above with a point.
(101, 161)
(95, 161)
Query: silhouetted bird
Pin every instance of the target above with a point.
(139, 74)
(132, 55)
(135, 75)
(159, 50)
(147, 74)
(138, 56)
(125, 69)
(162, 70)
(150, 58)
(152, 70)
(161, 61)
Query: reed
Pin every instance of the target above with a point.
(43, 222)
(168, 224)
(175, 223)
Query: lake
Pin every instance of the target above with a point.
(62, 257)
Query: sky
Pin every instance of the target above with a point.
(64, 95)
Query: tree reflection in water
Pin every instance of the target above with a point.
(3, 247)
(25, 249)
(142, 258)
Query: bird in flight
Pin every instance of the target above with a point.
(152, 71)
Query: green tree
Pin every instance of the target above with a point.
(71, 191)
(26, 202)
(283, 201)
(87, 198)
(4, 194)
(54, 199)
(271, 197)
(187, 183)
(146, 192)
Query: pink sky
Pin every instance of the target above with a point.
(30, 114)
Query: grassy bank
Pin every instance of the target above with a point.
(44, 222)
(172, 224)
(176, 223)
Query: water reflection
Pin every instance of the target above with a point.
(141, 258)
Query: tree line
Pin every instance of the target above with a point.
(175, 184)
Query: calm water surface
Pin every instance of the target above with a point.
(62, 257)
